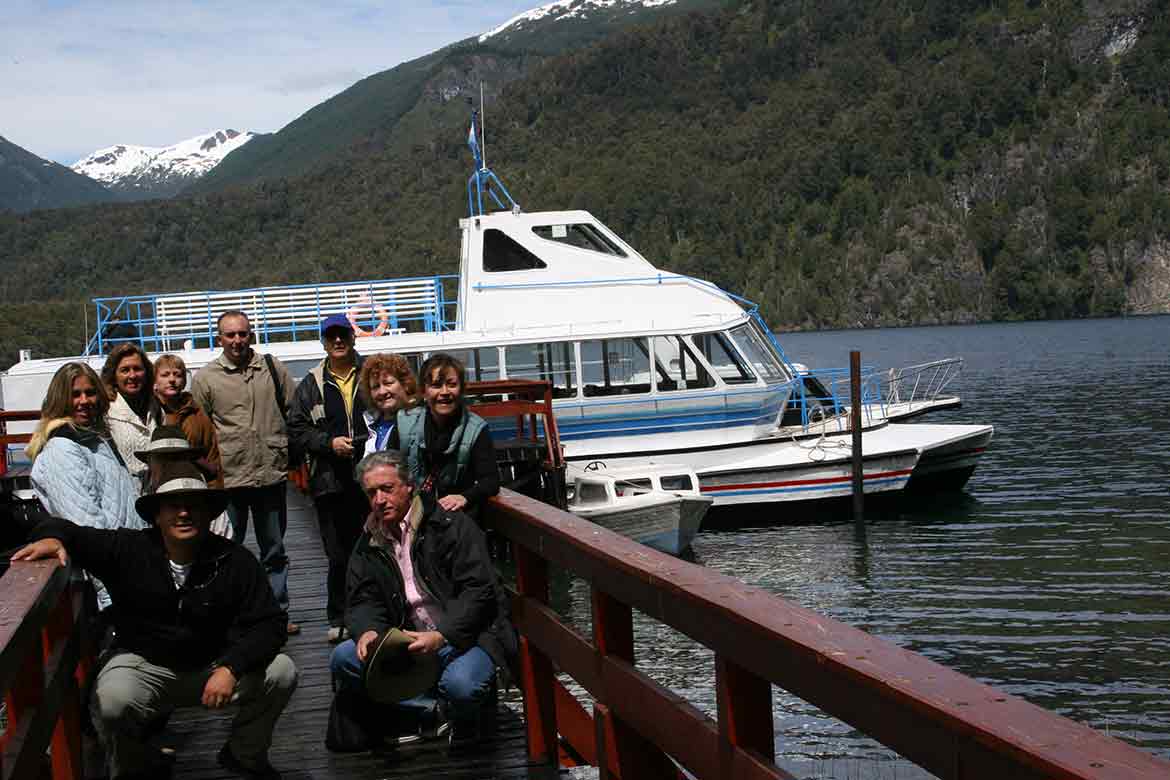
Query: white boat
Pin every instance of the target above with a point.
(646, 365)
(657, 505)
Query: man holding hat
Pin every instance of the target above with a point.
(196, 623)
(426, 611)
(327, 421)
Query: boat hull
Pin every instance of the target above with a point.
(669, 526)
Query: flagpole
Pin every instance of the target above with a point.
(482, 129)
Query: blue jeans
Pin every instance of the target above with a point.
(465, 680)
(268, 506)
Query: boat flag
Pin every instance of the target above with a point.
(473, 141)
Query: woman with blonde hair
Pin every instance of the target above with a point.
(134, 414)
(76, 473)
(387, 386)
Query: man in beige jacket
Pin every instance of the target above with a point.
(247, 395)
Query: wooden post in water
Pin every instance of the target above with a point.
(855, 424)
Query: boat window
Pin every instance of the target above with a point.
(581, 236)
(676, 366)
(615, 367)
(723, 358)
(592, 493)
(502, 253)
(415, 361)
(677, 482)
(759, 354)
(482, 365)
(553, 362)
(632, 487)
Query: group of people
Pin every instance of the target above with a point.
(134, 471)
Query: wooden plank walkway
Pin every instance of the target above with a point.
(299, 746)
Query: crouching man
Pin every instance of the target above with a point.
(431, 577)
(195, 622)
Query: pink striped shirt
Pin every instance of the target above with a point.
(422, 609)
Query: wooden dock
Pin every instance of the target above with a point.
(299, 746)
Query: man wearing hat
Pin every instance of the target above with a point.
(327, 421)
(168, 443)
(196, 623)
(425, 608)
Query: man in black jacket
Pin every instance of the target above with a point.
(433, 578)
(195, 623)
(327, 421)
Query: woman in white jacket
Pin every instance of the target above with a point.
(76, 473)
(134, 412)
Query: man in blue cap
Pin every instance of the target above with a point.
(327, 421)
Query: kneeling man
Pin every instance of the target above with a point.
(195, 623)
(432, 578)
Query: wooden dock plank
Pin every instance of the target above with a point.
(298, 748)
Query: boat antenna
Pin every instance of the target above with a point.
(482, 126)
(482, 178)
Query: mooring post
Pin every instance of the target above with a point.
(855, 424)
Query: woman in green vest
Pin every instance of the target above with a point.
(448, 448)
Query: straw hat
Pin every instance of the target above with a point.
(167, 440)
(393, 673)
(181, 479)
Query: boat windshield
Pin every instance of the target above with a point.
(758, 353)
(582, 236)
(723, 358)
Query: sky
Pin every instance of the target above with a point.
(80, 75)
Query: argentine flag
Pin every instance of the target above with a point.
(473, 142)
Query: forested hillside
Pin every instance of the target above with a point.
(29, 182)
(405, 102)
(842, 162)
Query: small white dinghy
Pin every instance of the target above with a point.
(657, 505)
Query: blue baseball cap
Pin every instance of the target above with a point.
(335, 321)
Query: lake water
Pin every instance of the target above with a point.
(1049, 577)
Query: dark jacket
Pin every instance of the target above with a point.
(459, 459)
(316, 418)
(450, 558)
(225, 614)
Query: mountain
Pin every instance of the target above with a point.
(138, 172)
(564, 24)
(400, 106)
(28, 182)
(843, 163)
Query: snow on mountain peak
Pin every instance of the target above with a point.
(568, 9)
(126, 166)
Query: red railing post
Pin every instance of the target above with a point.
(66, 741)
(537, 677)
(744, 702)
(619, 745)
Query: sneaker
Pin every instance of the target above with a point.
(263, 771)
(439, 731)
(336, 634)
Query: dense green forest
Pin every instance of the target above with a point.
(841, 162)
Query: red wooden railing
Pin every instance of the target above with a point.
(947, 723)
(43, 661)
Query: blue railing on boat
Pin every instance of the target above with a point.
(169, 321)
(823, 393)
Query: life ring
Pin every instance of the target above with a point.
(363, 304)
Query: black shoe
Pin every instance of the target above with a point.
(227, 759)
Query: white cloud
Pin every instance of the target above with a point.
(78, 76)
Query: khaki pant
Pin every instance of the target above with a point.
(131, 692)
